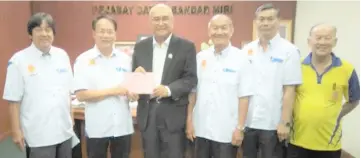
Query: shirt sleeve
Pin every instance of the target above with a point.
(70, 72)
(353, 87)
(81, 79)
(199, 69)
(245, 86)
(292, 68)
(14, 83)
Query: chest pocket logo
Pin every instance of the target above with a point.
(61, 70)
(276, 60)
(120, 69)
(228, 70)
(31, 70)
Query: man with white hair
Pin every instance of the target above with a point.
(161, 116)
(319, 107)
(219, 104)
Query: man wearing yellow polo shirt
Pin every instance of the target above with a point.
(318, 110)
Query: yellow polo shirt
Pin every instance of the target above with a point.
(316, 115)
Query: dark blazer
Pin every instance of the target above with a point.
(179, 74)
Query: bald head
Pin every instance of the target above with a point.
(220, 18)
(163, 8)
(322, 39)
(324, 27)
(220, 30)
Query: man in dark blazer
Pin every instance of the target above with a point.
(161, 116)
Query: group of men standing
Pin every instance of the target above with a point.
(220, 99)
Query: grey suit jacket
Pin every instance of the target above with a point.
(179, 74)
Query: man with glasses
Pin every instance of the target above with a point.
(161, 116)
(98, 74)
(38, 87)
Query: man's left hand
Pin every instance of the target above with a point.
(237, 137)
(160, 91)
(283, 132)
(133, 97)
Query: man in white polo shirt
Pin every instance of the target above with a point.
(38, 86)
(98, 75)
(222, 94)
(277, 68)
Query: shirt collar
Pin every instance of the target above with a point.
(224, 52)
(336, 61)
(166, 42)
(99, 54)
(273, 41)
(39, 52)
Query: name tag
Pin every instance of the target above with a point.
(228, 70)
(276, 60)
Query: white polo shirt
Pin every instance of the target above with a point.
(222, 80)
(42, 84)
(280, 65)
(110, 117)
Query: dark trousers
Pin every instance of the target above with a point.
(206, 148)
(264, 142)
(62, 150)
(158, 141)
(294, 151)
(119, 147)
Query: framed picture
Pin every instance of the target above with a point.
(142, 37)
(285, 30)
(126, 47)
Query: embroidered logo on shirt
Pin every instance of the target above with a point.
(9, 63)
(228, 70)
(250, 52)
(204, 64)
(120, 69)
(92, 62)
(276, 60)
(61, 70)
(31, 68)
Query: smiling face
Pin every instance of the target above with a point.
(104, 33)
(220, 30)
(161, 17)
(322, 39)
(42, 36)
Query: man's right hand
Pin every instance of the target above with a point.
(120, 91)
(18, 139)
(140, 69)
(190, 130)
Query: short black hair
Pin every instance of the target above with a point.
(37, 19)
(104, 16)
(268, 6)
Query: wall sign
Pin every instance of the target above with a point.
(177, 10)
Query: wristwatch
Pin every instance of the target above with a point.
(287, 124)
(240, 128)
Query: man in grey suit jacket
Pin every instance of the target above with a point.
(161, 116)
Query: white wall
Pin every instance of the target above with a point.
(345, 15)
